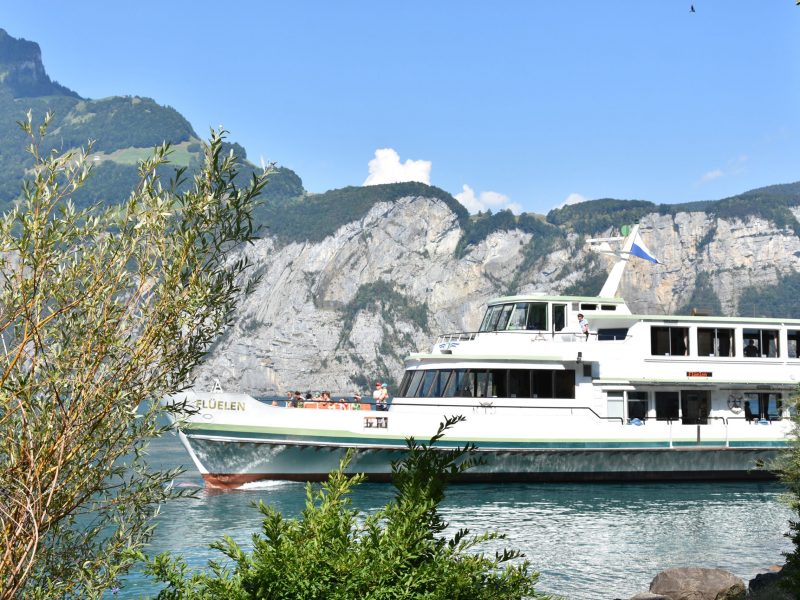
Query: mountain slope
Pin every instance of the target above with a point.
(124, 130)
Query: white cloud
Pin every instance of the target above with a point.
(486, 200)
(711, 175)
(735, 166)
(387, 168)
(573, 198)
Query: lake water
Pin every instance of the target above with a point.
(588, 541)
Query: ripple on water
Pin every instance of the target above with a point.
(587, 541)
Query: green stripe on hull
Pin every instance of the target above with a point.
(343, 438)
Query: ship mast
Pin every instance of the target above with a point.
(622, 253)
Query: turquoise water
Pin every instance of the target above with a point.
(589, 541)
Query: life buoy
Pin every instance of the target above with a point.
(735, 403)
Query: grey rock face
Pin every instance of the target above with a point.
(344, 312)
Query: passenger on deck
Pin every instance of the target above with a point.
(748, 412)
(384, 397)
(289, 398)
(379, 396)
(751, 349)
(584, 325)
(297, 399)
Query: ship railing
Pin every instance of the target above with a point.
(672, 422)
(451, 340)
(491, 406)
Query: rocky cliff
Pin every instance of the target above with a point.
(22, 71)
(344, 311)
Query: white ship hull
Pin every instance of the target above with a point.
(246, 440)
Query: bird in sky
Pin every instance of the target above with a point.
(691, 8)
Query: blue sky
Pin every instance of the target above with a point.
(526, 104)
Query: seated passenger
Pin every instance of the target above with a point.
(751, 349)
(297, 399)
(748, 412)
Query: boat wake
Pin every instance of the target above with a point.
(268, 484)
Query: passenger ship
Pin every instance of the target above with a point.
(640, 397)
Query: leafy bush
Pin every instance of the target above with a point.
(104, 310)
(333, 552)
(788, 468)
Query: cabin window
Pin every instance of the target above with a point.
(519, 317)
(413, 386)
(519, 383)
(669, 341)
(559, 316)
(586, 306)
(435, 386)
(793, 337)
(505, 315)
(608, 307)
(667, 406)
(537, 316)
(403, 389)
(490, 320)
(482, 387)
(760, 342)
(455, 383)
(488, 383)
(715, 342)
(564, 384)
(637, 405)
(428, 382)
(542, 382)
(764, 406)
(695, 406)
(619, 333)
(467, 387)
(498, 384)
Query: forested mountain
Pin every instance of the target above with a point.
(124, 130)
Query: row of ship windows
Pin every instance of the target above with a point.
(765, 343)
(488, 383)
(534, 315)
(692, 406)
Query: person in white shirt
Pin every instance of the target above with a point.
(584, 325)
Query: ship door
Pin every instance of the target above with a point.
(559, 317)
(694, 407)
